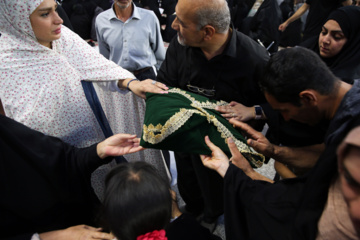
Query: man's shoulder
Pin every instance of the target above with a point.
(245, 44)
(105, 14)
(146, 13)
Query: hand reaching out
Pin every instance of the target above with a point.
(218, 160)
(140, 88)
(237, 111)
(79, 232)
(256, 139)
(118, 145)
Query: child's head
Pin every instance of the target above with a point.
(137, 200)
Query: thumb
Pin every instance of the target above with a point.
(210, 144)
(233, 148)
(253, 144)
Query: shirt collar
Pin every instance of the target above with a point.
(230, 48)
(135, 14)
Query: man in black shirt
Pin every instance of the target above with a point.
(212, 59)
(300, 86)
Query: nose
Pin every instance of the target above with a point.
(58, 20)
(326, 39)
(175, 24)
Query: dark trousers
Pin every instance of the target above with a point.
(201, 188)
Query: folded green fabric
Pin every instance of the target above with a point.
(180, 120)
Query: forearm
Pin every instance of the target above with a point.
(283, 170)
(298, 13)
(53, 235)
(257, 176)
(125, 83)
(299, 157)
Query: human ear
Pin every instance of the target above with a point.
(209, 32)
(308, 97)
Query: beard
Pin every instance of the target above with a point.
(121, 5)
(180, 40)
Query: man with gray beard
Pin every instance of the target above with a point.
(209, 57)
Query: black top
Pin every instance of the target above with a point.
(187, 227)
(318, 12)
(265, 23)
(290, 208)
(44, 182)
(233, 74)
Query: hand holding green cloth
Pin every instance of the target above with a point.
(180, 120)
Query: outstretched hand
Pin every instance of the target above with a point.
(237, 111)
(140, 88)
(119, 144)
(256, 139)
(79, 232)
(218, 160)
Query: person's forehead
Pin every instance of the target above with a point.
(185, 11)
(275, 104)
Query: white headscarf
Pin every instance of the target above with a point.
(41, 87)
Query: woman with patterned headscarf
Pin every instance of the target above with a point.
(42, 64)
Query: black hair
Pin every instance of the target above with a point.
(293, 70)
(137, 200)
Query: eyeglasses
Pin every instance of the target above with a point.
(203, 91)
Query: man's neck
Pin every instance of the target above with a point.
(123, 13)
(337, 99)
(217, 46)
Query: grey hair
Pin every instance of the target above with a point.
(214, 13)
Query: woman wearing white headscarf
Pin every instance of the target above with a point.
(42, 64)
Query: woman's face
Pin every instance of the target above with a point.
(331, 39)
(350, 183)
(46, 23)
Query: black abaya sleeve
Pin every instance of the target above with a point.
(257, 209)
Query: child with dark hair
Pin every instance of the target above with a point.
(137, 201)
(139, 204)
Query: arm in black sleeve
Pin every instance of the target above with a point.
(257, 209)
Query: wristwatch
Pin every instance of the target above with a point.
(258, 112)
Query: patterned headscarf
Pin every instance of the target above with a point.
(41, 87)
